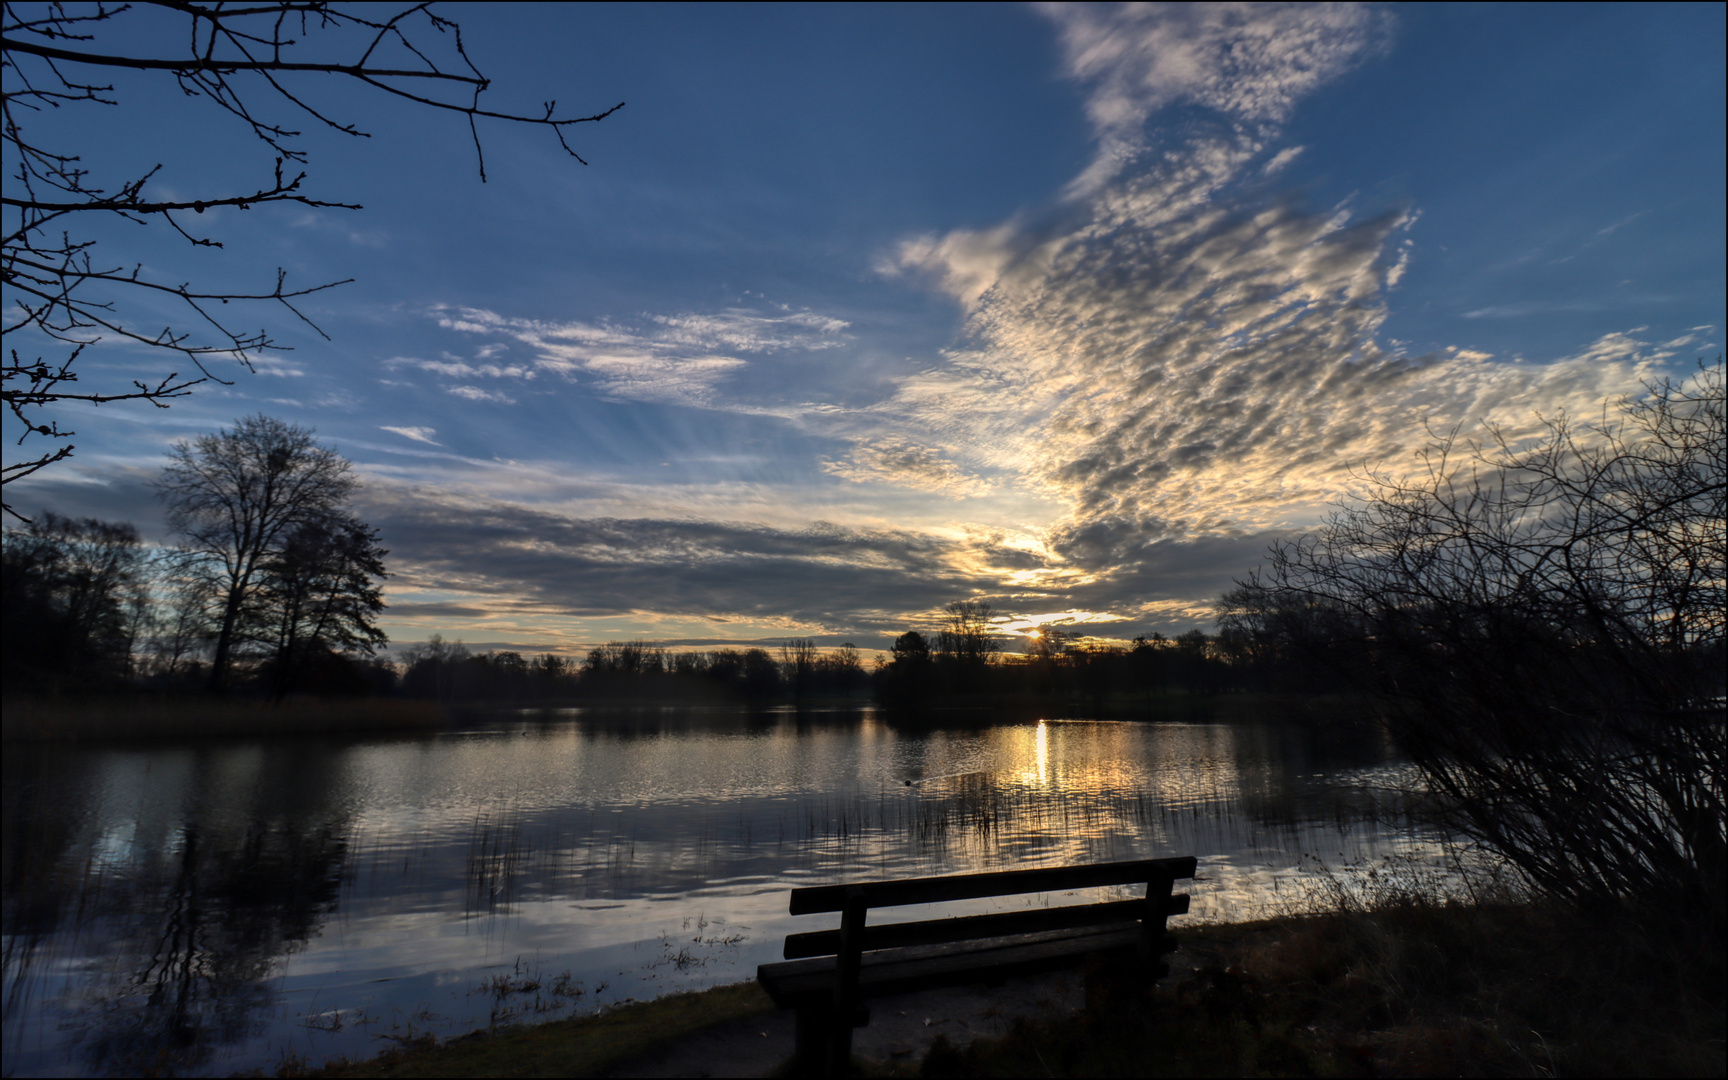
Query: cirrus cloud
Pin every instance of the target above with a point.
(418, 434)
(669, 359)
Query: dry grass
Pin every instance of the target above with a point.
(1391, 982)
(159, 717)
(585, 1046)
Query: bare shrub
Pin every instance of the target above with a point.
(1543, 624)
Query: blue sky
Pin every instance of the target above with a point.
(858, 310)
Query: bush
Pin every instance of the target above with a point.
(1544, 626)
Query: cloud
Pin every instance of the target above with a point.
(457, 369)
(897, 461)
(1249, 62)
(1697, 334)
(1532, 307)
(1279, 160)
(412, 610)
(418, 434)
(749, 332)
(1193, 361)
(514, 563)
(277, 367)
(668, 359)
(1610, 229)
(475, 393)
(1192, 367)
(666, 380)
(1177, 354)
(89, 486)
(537, 559)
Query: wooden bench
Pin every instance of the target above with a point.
(828, 973)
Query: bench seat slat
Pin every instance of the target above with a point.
(936, 890)
(892, 970)
(970, 928)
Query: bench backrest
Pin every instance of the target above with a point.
(856, 899)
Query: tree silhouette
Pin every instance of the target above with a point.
(760, 674)
(967, 643)
(240, 498)
(320, 595)
(73, 592)
(251, 62)
(908, 678)
(798, 659)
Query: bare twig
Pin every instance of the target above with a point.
(239, 58)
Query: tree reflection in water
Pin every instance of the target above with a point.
(191, 970)
(166, 952)
(169, 909)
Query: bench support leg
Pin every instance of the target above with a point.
(846, 985)
(810, 1046)
(1153, 945)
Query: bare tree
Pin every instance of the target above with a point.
(968, 643)
(185, 613)
(798, 659)
(74, 598)
(841, 670)
(322, 595)
(238, 497)
(434, 668)
(1545, 626)
(252, 62)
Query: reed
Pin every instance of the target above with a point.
(498, 855)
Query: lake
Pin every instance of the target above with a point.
(201, 908)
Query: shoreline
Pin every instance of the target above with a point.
(1414, 988)
(145, 716)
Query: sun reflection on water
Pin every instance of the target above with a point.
(630, 854)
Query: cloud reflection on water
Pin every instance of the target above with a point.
(196, 905)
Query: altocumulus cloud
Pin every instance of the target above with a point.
(1180, 354)
(892, 459)
(1249, 62)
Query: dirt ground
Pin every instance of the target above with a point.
(901, 1029)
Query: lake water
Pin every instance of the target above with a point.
(210, 907)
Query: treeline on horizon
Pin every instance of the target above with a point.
(88, 608)
(917, 672)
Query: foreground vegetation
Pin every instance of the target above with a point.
(1544, 624)
(1400, 985)
(1416, 990)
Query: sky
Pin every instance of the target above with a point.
(856, 311)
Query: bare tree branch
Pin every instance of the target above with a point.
(1546, 627)
(238, 58)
